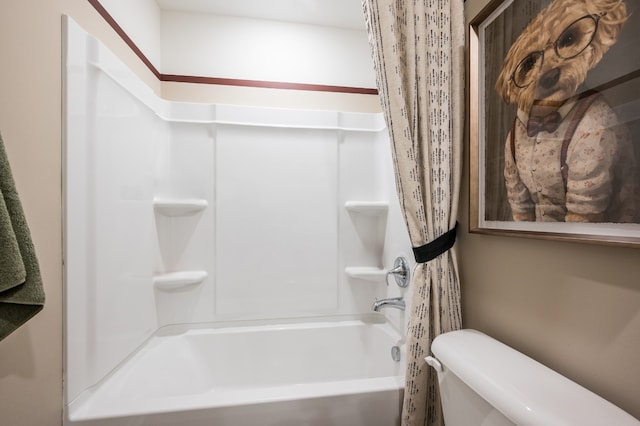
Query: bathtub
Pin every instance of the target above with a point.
(316, 372)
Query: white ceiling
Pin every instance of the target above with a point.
(334, 13)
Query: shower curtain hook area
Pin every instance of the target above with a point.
(400, 271)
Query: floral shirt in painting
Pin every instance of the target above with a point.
(601, 182)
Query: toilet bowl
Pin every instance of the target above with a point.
(485, 382)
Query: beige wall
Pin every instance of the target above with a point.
(574, 307)
(30, 122)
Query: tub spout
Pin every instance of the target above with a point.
(393, 302)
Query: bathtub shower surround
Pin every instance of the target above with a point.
(218, 250)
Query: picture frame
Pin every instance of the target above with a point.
(615, 78)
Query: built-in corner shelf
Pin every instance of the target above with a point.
(369, 221)
(367, 207)
(178, 280)
(366, 273)
(179, 206)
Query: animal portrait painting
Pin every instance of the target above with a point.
(566, 154)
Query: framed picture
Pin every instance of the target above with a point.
(554, 92)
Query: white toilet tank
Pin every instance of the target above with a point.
(485, 382)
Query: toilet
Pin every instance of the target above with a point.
(485, 382)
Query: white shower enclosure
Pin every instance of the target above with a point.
(185, 214)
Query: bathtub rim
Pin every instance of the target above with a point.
(178, 329)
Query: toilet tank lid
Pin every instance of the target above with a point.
(525, 391)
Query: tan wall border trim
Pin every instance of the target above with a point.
(266, 84)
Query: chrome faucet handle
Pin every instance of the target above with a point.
(400, 271)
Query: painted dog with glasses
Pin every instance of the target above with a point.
(567, 156)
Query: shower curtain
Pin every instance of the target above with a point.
(418, 54)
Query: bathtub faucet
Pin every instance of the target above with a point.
(393, 302)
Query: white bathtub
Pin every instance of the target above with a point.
(324, 373)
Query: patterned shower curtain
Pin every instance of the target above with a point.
(418, 53)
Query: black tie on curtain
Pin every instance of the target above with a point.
(435, 248)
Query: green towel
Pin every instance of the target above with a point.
(21, 292)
